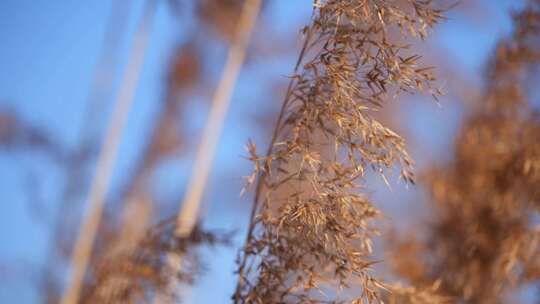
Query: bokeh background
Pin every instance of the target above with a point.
(53, 115)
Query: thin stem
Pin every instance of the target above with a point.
(106, 159)
(100, 91)
(262, 175)
(188, 215)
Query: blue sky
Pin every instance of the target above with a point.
(48, 53)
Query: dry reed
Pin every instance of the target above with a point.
(318, 237)
(83, 246)
(140, 272)
(189, 211)
(483, 244)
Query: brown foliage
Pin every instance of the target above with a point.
(319, 235)
(484, 240)
(135, 275)
(220, 16)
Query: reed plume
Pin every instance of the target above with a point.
(483, 243)
(139, 272)
(317, 237)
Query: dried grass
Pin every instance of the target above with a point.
(484, 241)
(318, 237)
(136, 274)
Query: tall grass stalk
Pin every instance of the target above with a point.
(189, 212)
(100, 92)
(107, 156)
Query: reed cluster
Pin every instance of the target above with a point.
(312, 227)
(137, 274)
(483, 242)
